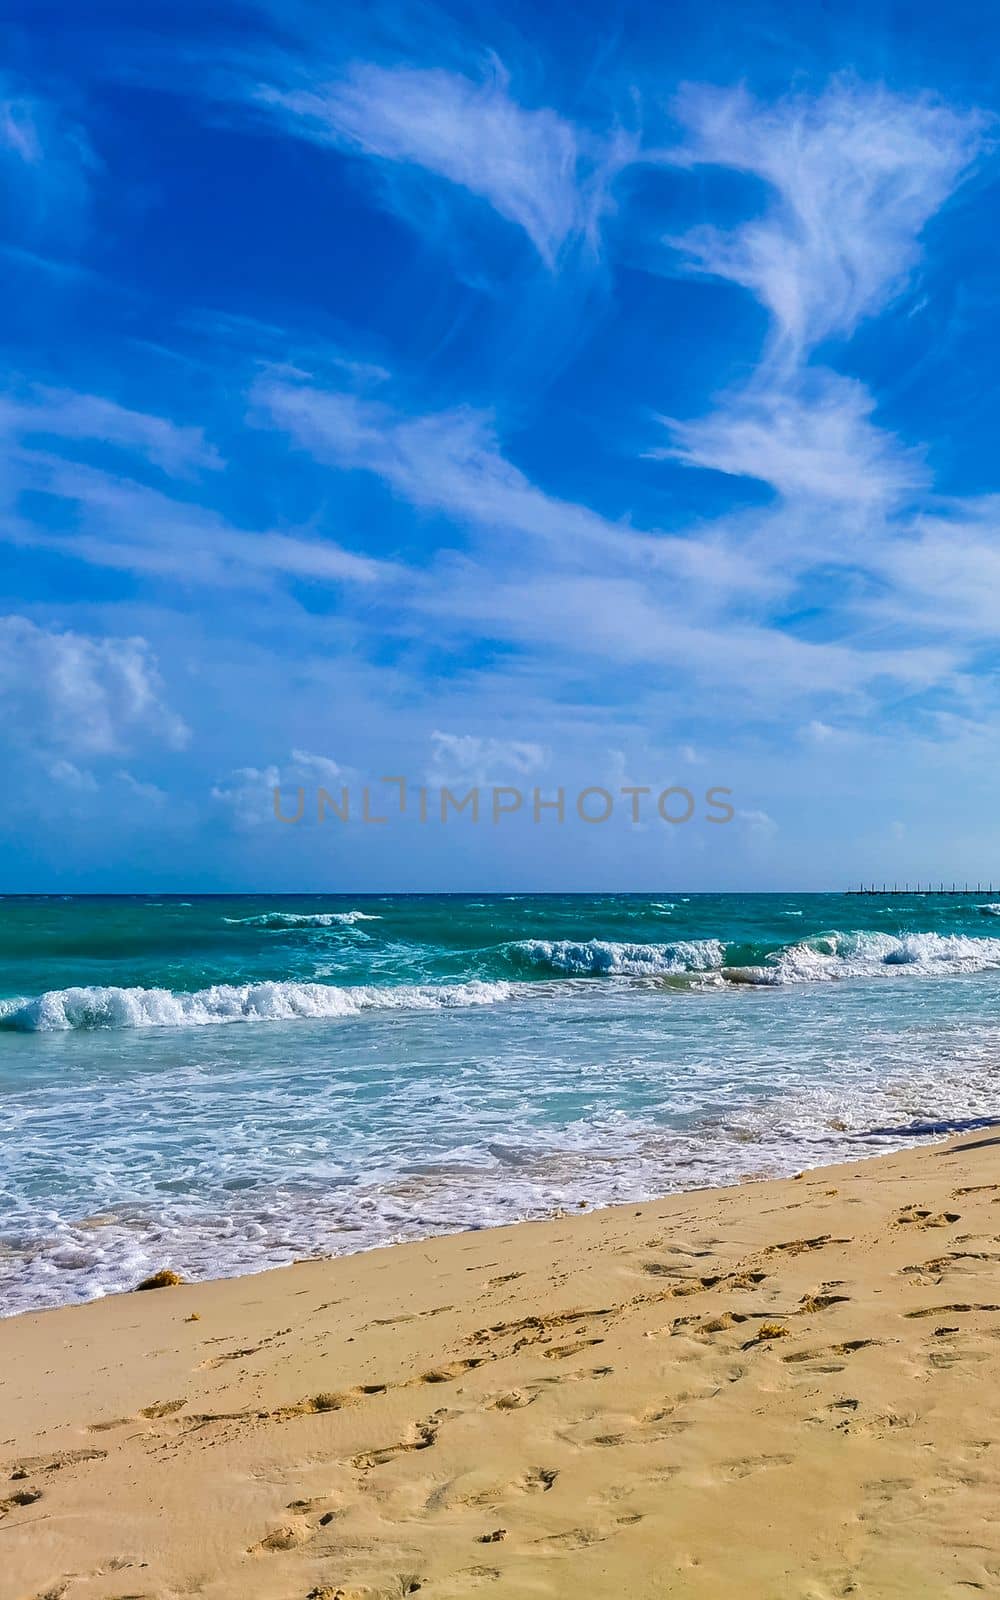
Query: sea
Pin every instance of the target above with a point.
(225, 1084)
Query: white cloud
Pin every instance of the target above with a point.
(757, 823)
(248, 792)
(19, 133)
(320, 768)
(453, 462)
(619, 620)
(46, 160)
(63, 414)
(855, 174)
(134, 528)
(72, 776)
(69, 693)
(589, 589)
(149, 793)
(531, 166)
(458, 757)
(814, 443)
(943, 573)
(818, 732)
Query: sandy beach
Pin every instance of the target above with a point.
(779, 1389)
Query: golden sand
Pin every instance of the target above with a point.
(784, 1391)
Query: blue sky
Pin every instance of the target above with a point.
(530, 396)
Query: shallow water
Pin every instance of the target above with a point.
(224, 1084)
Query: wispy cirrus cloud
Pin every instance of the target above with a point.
(453, 461)
(559, 582)
(533, 167)
(813, 441)
(109, 517)
(619, 621)
(941, 576)
(123, 524)
(46, 160)
(854, 174)
(40, 412)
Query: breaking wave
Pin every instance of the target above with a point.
(820, 959)
(861, 955)
(279, 920)
(61, 1010)
(597, 958)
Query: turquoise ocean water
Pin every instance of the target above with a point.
(224, 1084)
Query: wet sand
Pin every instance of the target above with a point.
(779, 1390)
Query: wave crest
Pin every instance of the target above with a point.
(831, 956)
(279, 920)
(820, 959)
(607, 958)
(62, 1010)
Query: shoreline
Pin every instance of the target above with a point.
(771, 1387)
(892, 1142)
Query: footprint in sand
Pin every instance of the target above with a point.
(846, 1348)
(581, 1538)
(819, 1302)
(577, 1376)
(920, 1217)
(960, 1306)
(297, 1529)
(539, 1480)
(230, 1355)
(720, 1324)
(796, 1247)
(284, 1538)
(766, 1334)
(512, 1400)
(747, 1466)
(20, 1498)
(422, 1436)
(454, 1369)
(571, 1539)
(326, 1400)
(559, 1352)
(54, 1463)
(406, 1584)
(162, 1408)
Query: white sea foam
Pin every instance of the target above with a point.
(61, 1010)
(603, 957)
(817, 960)
(304, 919)
(861, 955)
(226, 1153)
(991, 910)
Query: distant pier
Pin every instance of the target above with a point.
(924, 889)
